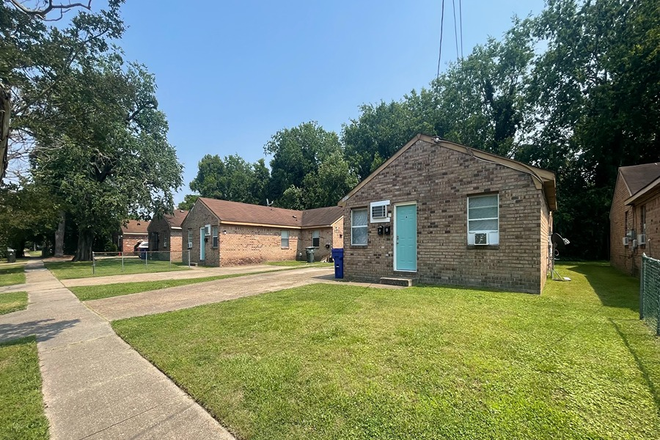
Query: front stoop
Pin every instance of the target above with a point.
(406, 282)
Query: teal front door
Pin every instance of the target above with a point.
(405, 251)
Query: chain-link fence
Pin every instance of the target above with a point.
(111, 263)
(649, 293)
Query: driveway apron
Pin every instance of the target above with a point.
(95, 386)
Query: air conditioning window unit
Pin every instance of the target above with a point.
(626, 241)
(641, 239)
(481, 239)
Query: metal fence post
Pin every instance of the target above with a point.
(122, 261)
(641, 288)
(93, 264)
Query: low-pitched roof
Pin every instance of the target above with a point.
(637, 177)
(258, 215)
(175, 219)
(135, 227)
(322, 216)
(543, 179)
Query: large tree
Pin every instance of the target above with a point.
(106, 153)
(231, 178)
(298, 152)
(35, 57)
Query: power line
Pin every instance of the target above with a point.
(442, 22)
(453, 8)
(460, 20)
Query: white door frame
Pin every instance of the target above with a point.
(394, 231)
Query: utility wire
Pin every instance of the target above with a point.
(442, 22)
(453, 8)
(460, 20)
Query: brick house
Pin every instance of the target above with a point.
(442, 213)
(132, 233)
(165, 233)
(635, 217)
(224, 233)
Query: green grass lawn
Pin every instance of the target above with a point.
(65, 270)
(22, 409)
(13, 302)
(341, 362)
(11, 274)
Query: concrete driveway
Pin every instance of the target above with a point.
(176, 298)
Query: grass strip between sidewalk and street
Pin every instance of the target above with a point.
(66, 270)
(22, 409)
(13, 302)
(329, 361)
(11, 274)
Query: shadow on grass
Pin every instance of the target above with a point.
(613, 288)
(44, 329)
(640, 365)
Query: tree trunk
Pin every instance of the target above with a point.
(59, 236)
(84, 249)
(5, 113)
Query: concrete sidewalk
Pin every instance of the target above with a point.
(95, 386)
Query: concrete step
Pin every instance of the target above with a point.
(407, 282)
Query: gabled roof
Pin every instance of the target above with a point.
(322, 216)
(543, 179)
(257, 215)
(133, 227)
(637, 177)
(646, 193)
(175, 219)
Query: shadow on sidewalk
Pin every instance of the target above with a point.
(44, 329)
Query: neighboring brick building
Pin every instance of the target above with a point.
(410, 219)
(132, 233)
(635, 217)
(224, 233)
(165, 234)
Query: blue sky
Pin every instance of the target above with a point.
(230, 74)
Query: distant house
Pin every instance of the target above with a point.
(442, 213)
(165, 233)
(635, 217)
(224, 233)
(132, 233)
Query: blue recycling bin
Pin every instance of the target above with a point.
(338, 258)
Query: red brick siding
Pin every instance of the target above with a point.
(129, 241)
(199, 216)
(439, 180)
(620, 255)
(252, 244)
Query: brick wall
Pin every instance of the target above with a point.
(252, 245)
(325, 237)
(620, 255)
(129, 241)
(338, 233)
(628, 259)
(199, 216)
(439, 180)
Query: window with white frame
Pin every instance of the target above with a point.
(316, 238)
(359, 232)
(378, 211)
(190, 238)
(165, 241)
(214, 234)
(284, 236)
(483, 220)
